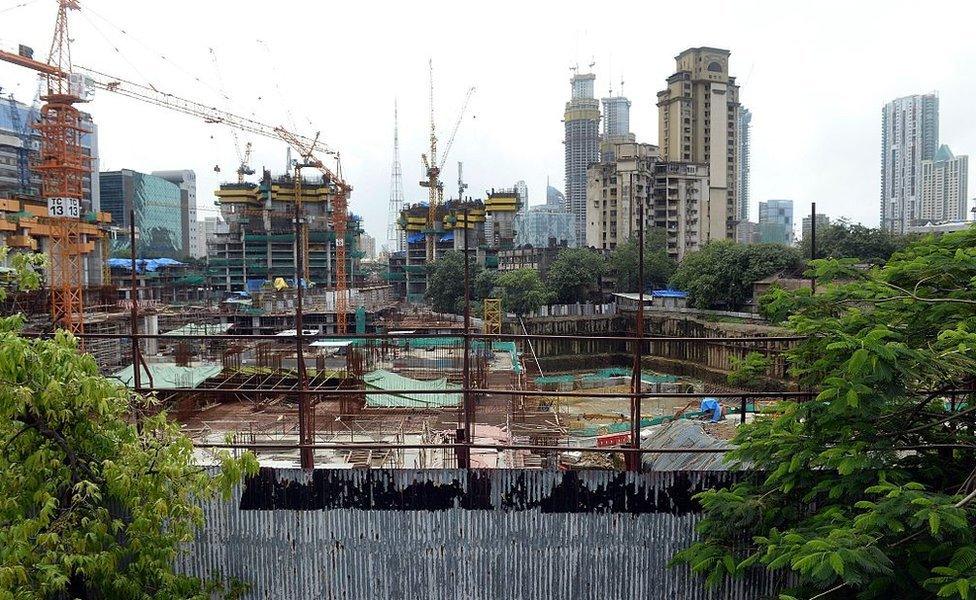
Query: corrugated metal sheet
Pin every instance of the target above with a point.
(683, 434)
(521, 534)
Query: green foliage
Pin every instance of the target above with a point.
(91, 502)
(658, 267)
(575, 276)
(26, 269)
(445, 277)
(521, 291)
(778, 304)
(446, 283)
(841, 239)
(720, 275)
(749, 372)
(484, 283)
(865, 489)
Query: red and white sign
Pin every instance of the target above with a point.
(615, 439)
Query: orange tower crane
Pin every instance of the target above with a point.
(63, 167)
(63, 164)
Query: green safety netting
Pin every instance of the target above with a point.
(394, 383)
(445, 342)
(554, 379)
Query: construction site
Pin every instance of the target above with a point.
(486, 449)
(280, 345)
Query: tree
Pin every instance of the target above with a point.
(658, 267)
(96, 495)
(721, 274)
(842, 239)
(575, 276)
(445, 282)
(749, 372)
(867, 490)
(521, 291)
(484, 284)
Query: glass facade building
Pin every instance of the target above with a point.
(776, 222)
(546, 225)
(156, 204)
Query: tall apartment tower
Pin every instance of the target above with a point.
(698, 122)
(909, 135)
(616, 116)
(668, 193)
(523, 193)
(582, 121)
(944, 187)
(742, 184)
(616, 126)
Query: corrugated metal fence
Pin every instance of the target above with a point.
(521, 534)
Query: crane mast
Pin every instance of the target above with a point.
(433, 167)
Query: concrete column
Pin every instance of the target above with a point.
(150, 326)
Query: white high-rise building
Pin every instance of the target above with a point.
(616, 116)
(187, 182)
(944, 187)
(523, 193)
(909, 136)
(742, 188)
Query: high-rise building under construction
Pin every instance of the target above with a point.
(258, 241)
(582, 122)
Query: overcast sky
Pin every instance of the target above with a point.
(814, 74)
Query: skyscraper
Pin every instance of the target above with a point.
(616, 126)
(616, 116)
(554, 197)
(187, 182)
(582, 122)
(909, 135)
(156, 204)
(944, 187)
(776, 222)
(523, 193)
(742, 183)
(698, 119)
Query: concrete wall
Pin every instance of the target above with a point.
(517, 534)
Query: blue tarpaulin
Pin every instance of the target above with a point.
(254, 285)
(413, 238)
(143, 264)
(669, 294)
(711, 405)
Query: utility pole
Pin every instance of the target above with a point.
(306, 418)
(813, 242)
(633, 459)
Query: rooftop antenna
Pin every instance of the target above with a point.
(621, 85)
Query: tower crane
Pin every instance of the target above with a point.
(433, 167)
(63, 165)
(245, 168)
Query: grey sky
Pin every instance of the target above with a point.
(815, 76)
